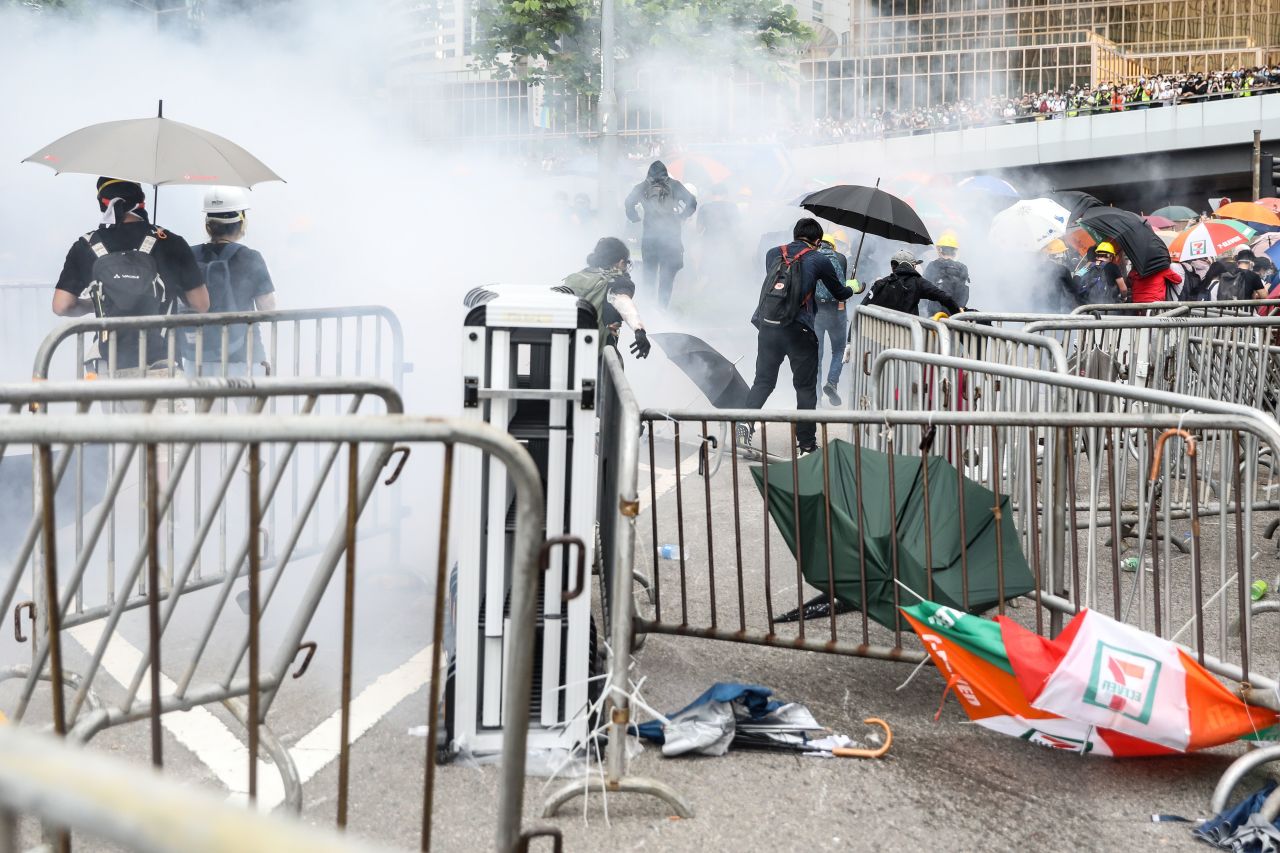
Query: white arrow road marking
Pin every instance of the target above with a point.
(222, 751)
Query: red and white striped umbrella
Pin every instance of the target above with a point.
(1206, 240)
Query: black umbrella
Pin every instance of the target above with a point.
(1077, 203)
(715, 375)
(1148, 252)
(870, 210)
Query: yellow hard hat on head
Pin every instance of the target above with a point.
(948, 241)
(830, 239)
(1056, 247)
(1105, 248)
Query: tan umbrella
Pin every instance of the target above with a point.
(156, 151)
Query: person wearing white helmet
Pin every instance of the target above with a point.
(238, 281)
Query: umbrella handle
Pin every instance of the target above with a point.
(847, 752)
(1159, 450)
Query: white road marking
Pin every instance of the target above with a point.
(222, 750)
(664, 479)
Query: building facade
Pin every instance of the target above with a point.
(907, 54)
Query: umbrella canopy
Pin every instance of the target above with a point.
(1101, 687)
(1206, 240)
(1245, 229)
(1167, 237)
(1029, 225)
(1177, 213)
(156, 151)
(1158, 223)
(990, 185)
(1147, 251)
(1272, 204)
(1249, 212)
(869, 210)
(699, 167)
(864, 523)
(1077, 203)
(1265, 241)
(715, 375)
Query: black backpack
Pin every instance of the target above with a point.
(126, 283)
(890, 292)
(1231, 286)
(781, 295)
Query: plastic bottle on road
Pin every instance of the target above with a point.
(1258, 590)
(672, 552)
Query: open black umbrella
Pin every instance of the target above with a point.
(1077, 203)
(870, 210)
(1141, 245)
(715, 375)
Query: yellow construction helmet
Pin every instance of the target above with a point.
(1105, 249)
(948, 241)
(829, 239)
(1056, 247)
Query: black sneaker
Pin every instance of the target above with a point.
(744, 436)
(806, 449)
(832, 397)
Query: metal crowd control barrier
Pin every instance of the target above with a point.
(362, 340)
(1193, 599)
(303, 489)
(231, 667)
(877, 329)
(618, 507)
(1221, 308)
(1233, 358)
(113, 801)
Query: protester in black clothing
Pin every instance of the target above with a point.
(1241, 282)
(665, 204)
(1103, 282)
(125, 236)
(795, 342)
(904, 288)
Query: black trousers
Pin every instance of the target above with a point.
(798, 345)
(662, 259)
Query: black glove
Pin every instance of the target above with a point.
(640, 346)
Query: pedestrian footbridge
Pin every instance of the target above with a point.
(1189, 149)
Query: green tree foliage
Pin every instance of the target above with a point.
(565, 35)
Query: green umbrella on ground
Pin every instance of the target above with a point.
(991, 546)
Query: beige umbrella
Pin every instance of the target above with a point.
(156, 151)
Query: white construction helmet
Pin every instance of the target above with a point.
(225, 202)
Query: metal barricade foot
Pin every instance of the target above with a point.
(1236, 772)
(277, 753)
(628, 785)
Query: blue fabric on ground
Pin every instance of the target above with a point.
(1216, 830)
(751, 697)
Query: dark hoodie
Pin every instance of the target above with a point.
(660, 197)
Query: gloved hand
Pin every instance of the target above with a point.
(640, 346)
(855, 285)
(848, 354)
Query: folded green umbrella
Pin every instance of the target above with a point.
(863, 544)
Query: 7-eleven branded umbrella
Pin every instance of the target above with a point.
(1101, 687)
(1206, 240)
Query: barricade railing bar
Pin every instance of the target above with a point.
(303, 491)
(361, 340)
(618, 506)
(1199, 599)
(1228, 307)
(229, 669)
(109, 800)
